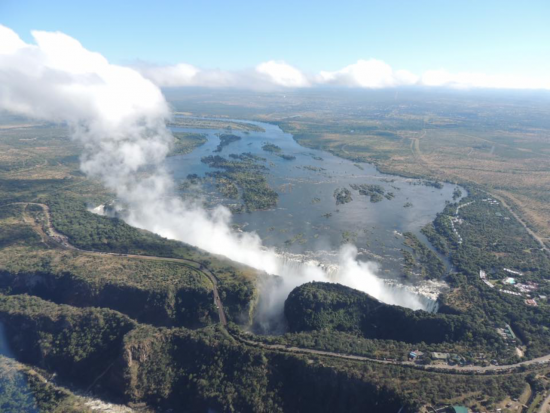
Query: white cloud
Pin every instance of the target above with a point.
(372, 74)
(267, 75)
(181, 74)
(10, 41)
(282, 74)
(367, 74)
(58, 79)
(468, 80)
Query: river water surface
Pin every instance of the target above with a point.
(307, 220)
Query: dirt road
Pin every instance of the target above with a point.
(523, 224)
(545, 406)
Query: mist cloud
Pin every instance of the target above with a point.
(282, 74)
(266, 76)
(170, 76)
(365, 74)
(470, 80)
(119, 116)
(371, 74)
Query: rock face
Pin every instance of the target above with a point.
(318, 306)
(178, 367)
(170, 306)
(24, 389)
(166, 369)
(78, 344)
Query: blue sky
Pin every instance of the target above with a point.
(493, 37)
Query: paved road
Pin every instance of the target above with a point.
(62, 240)
(438, 368)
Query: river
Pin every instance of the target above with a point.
(300, 224)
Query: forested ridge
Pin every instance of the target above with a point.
(324, 306)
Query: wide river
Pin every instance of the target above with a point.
(307, 219)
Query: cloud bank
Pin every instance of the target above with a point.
(120, 117)
(468, 80)
(282, 74)
(365, 74)
(267, 75)
(370, 74)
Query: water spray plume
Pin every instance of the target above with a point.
(120, 119)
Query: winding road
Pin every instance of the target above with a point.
(61, 240)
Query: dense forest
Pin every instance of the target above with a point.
(421, 260)
(207, 369)
(326, 306)
(490, 238)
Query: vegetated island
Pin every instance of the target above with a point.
(186, 142)
(342, 196)
(312, 168)
(225, 140)
(269, 147)
(427, 182)
(422, 261)
(376, 192)
(243, 177)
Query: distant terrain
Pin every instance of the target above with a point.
(89, 304)
(496, 140)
